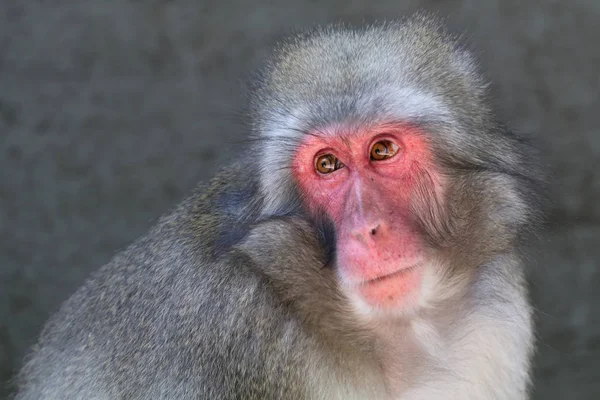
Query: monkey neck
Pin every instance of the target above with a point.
(448, 338)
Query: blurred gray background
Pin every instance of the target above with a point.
(111, 111)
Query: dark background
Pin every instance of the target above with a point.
(111, 111)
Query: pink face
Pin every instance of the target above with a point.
(366, 182)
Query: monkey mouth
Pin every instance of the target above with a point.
(392, 291)
(396, 274)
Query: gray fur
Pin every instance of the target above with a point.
(167, 320)
(226, 299)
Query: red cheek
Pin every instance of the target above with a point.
(321, 193)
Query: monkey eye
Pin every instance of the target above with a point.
(327, 163)
(383, 149)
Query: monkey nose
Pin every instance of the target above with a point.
(368, 232)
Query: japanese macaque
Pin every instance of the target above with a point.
(367, 245)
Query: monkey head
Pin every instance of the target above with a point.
(399, 149)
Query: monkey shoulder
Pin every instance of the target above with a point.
(149, 333)
(166, 316)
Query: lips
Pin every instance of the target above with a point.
(399, 273)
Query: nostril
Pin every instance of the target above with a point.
(367, 234)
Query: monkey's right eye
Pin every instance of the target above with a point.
(327, 163)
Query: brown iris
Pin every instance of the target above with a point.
(383, 149)
(327, 163)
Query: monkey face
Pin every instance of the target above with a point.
(370, 184)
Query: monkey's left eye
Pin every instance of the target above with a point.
(383, 149)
